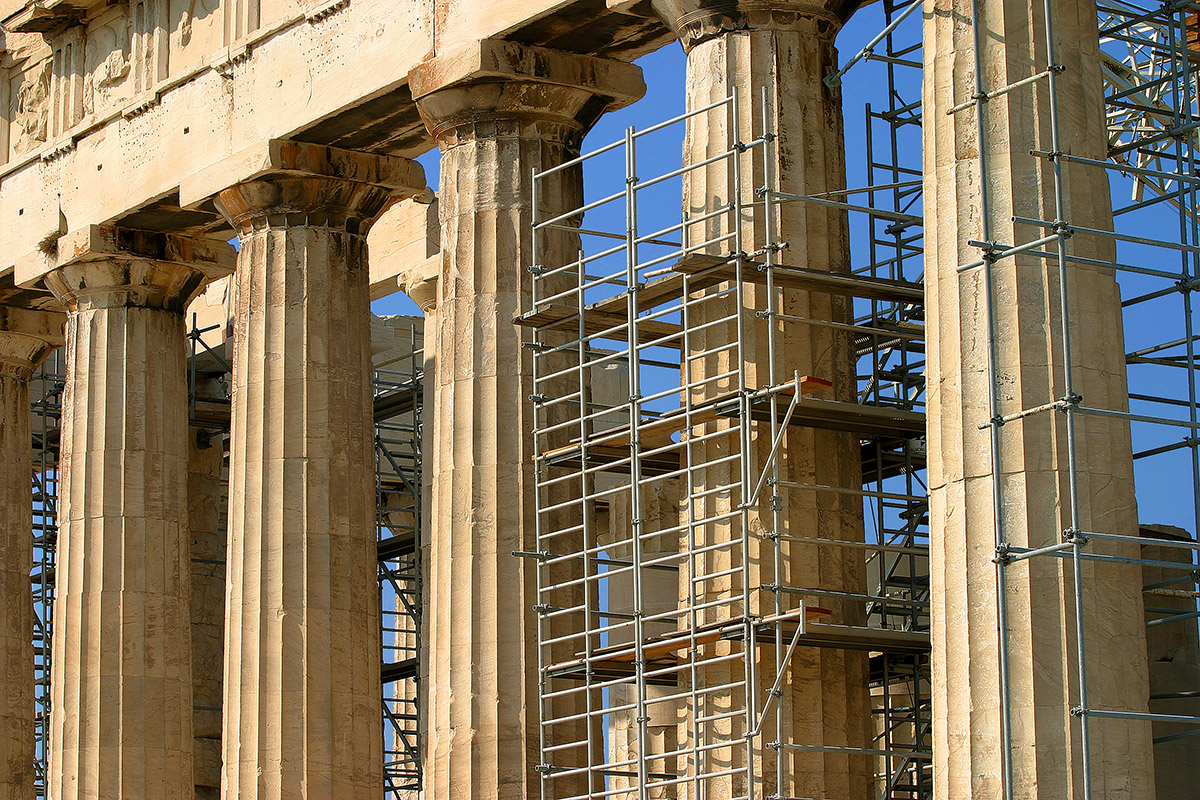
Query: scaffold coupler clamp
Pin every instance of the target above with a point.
(1074, 536)
(1188, 284)
(1069, 401)
(1062, 229)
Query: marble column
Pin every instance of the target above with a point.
(499, 111)
(121, 696)
(302, 682)
(782, 49)
(26, 338)
(1025, 343)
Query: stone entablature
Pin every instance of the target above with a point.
(105, 108)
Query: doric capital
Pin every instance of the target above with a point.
(101, 266)
(492, 81)
(696, 21)
(421, 283)
(26, 338)
(296, 183)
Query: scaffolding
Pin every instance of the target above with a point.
(45, 391)
(891, 373)
(619, 411)
(398, 403)
(397, 392)
(653, 471)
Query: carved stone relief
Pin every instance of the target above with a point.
(197, 30)
(29, 114)
(107, 66)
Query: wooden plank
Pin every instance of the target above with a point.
(657, 432)
(613, 459)
(812, 280)
(705, 270)
(869, 421)
(668, 647)
(597, 322)
(669, 287)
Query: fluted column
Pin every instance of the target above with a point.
(1029, 371)
(302, 683)
(499, 111)
(121, 697)
(783, 50)
(26, 338)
